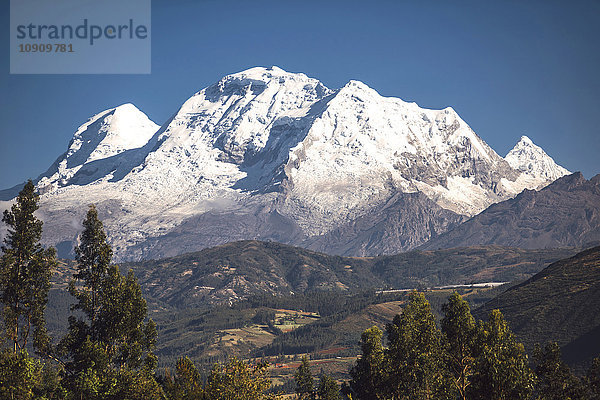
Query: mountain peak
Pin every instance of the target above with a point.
(532, 160)
(103, 136)
(264, 74)
(525, 141)
(358, 91)
(272, 144)
(252, 82)
(127, 108)
(111, 132)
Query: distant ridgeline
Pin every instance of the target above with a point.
(272, 155)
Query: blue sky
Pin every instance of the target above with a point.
(509, 68)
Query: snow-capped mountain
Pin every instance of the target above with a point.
(269, 154)
(532, 160)
(91, 153)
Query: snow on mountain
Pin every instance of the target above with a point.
(103, 136)
(221, 132)
(363, 147)
(533, 161)
(280, 154)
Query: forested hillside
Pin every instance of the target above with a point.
(561, 303)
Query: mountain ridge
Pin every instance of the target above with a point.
(529, 158)
(564, 213)
(265, 145)
(562, 306)
(236, 270)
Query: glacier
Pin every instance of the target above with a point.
(269, 154)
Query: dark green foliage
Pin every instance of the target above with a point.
(415, 353)
(369, 373)
(304, 380)
(459, 328)
(19, 375)
(25, 270)
(555, 379)
(501, 367)
(93, 256)
(233, 380)
(328, 389)
(263, 316)
(466, 360)
(306, 339)
(24, 377)
(108, 350)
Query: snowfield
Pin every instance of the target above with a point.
(275, 152)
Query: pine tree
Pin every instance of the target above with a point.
(415, 353)
(368, 375)
(501, 370)
(328, 388)
(459, 328)
(93, 256)
(304, 380)
(111, 343)
(25, 271)
(556, 381)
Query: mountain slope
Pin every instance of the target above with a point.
(565, 213)
(561, 303)
(294, 160)
(400, 224)
(241, 269)
(183, 291)
(93, 152)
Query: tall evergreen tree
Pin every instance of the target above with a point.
(555, 379)
(93, 256)
(502, 370)
(415, 353)
(368, 375)
(112, 340)
(304, 380)
(25, 271)
(459, 328)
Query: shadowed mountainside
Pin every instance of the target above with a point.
(561, 303)
(564, 214)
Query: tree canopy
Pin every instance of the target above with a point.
(112, 341)
(25, 270)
